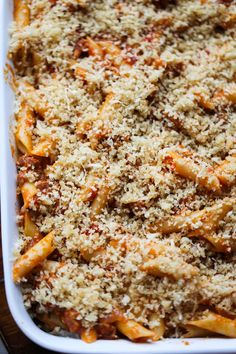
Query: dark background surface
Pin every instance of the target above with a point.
(13, 339)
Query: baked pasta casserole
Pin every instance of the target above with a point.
(125, 127)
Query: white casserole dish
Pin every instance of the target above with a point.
(9, 236)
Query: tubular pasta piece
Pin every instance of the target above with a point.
(211, 222)
(25, 121)
(187, 168)
(43, 148)
(81, 72)
(101, 49)
(100, 201)
(226, 171)
(178, 223)
(158, 63)
(213, 215)
(115, 316)
(155, 249)
(201, 223)
(33, 98)
(94, 48)
(197, 221)
(37, 59)
(88, 335)
(220, 244)
(106, 111)
(30, 229)
(28, 191)
(134, 331)
(113, 51)
(204, 102)
(157, 329)
(89, 190)
(88, 254)
(21, 13)
(172, 268)
(33, 257)
(110, 48)
(194, 332)
(216, 323)
(105, 114)
(227, 95)
(82, 128)
(231, 96)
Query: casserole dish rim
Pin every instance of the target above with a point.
(9, 235)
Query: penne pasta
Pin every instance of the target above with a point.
(100, 201)
(204, 102)
(207, 218)
(25, 122)
(202, 223)
(81, 72)
(89, 190)
(33, 98)
(194, 332)
(21, 13)
(43, 148)
(33, 257)
(216, 323)
(216, 213)
(105, 115)
(106, 111)
(220, 244)
(109, 48)
(226, 171)
(94, 48)
(96, 129)
(225, 95)
(112, 51)
(89, 254)
(88, 335)
(102, 50)
(28, 191)
(37, 59)
(175, 269)
(30, 228)
(134, 331)
(158, 328)
(203, 176)
(83, 127)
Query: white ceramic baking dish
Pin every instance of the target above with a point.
(9, 235)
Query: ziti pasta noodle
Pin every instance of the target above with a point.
(126, 166)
